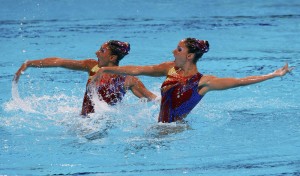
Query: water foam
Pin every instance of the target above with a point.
(17, 103)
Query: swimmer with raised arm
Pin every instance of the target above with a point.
(110, 88)
(184, 86)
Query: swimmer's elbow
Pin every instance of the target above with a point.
(133, 72)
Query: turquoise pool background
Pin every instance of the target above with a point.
(252, 130)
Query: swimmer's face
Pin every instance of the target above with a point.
(180, 54)
(103, 55)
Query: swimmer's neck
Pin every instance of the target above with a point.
(188, 70)
(108, 65)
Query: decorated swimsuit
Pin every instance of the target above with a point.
(179, 96)
(110, 90)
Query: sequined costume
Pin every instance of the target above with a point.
(110, 90)
(179, 96)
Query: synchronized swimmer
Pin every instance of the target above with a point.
(110, 88)
(182, 90)
(185, 86)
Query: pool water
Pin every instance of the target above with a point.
(252, 130)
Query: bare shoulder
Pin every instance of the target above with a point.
(206, 78)
(89, 63)
(167, 65)
(164, 67)
(155, 70)
(203, 85)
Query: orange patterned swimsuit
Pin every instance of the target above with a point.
(110, 90)
(179, 96)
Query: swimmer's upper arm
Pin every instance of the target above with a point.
(86, 65)
(209, 83)
(151, 70)
(156, 70)
(89, 64)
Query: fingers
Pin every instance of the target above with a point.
(290, 69)
(16, 77)
(287, 68)
(19, 72)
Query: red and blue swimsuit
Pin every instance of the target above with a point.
(179, 96)
(110, 90)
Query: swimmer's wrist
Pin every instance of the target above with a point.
(273, 75)
(27, 63)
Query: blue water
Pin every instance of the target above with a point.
(252, 130)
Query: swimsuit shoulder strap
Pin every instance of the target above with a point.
(95, 68)
(93, 71)
(172, 71)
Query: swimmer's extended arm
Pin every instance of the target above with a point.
(209, 83)
(151, 70)
(84, 65)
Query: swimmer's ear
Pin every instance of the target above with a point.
(190, 56)
(113, 58)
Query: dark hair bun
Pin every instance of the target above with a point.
(205, 46)
(118, 47)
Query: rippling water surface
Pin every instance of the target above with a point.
(252, 130)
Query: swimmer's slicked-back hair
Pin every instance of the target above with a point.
(118, 48)
(196, 46)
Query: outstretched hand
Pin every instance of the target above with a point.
(282, 71)
(19, 72)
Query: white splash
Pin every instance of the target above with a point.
(17, 103)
